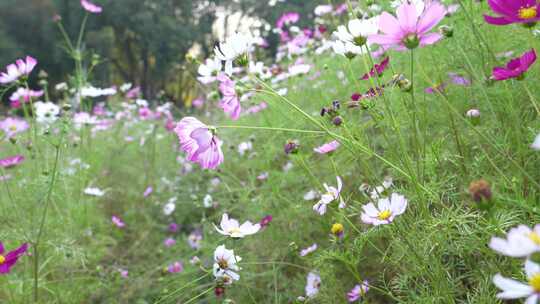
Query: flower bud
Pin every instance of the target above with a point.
(337, 121)
(337, 229)
(480, 191)
(446, 31)
(405, 85)
(474, 116)
(291, 147)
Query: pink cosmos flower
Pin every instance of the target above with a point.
(148, 191)
(7, 261)
(411, 28)
(91, 7)
(358, 291)
(198, 103)
(133, 93)
(199, 142)
(123, 273)
(176, 267)
(145, 113)
(18, 69)
(230, 102)
(385, 212)
(513, 11)
(328, 147)
(118, 222)
(287, 18)
(23, 95)
(377, 69)
(169, 242)
(13, 126)
(12, 161)
(516, 67)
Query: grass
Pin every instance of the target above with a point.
(434, 253)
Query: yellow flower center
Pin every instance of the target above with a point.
(384, 215)
(2, 259)
(337, 228)
(13, 128)
(527, 12)
(533, 236)
(534, 281)
(235, 230)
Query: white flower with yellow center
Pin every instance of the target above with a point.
(232, 227)
(385, 211)
(225, 265)
(332, 194)
(512, 289)
(520, 241)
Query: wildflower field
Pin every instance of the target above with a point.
(358, 152)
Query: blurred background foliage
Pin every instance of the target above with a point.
(143, 42)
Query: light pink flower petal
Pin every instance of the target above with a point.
(407, 17)
(431, 17)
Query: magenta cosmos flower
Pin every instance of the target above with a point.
(513, 11)
(199, 142)
(230, 102)
(18, 69)
(377, 69)
(410, 29)
(91, 7)
(7, 261)
(13, 126)
(516, 67)
(12, 161)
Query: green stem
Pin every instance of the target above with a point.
(42, 222)
(271, 129)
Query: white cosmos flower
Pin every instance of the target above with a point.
(232, 227)
(94, 191)
(46, 112)
(169, 207)
(209, 70)
(322, 10)
(536, 144)
(357, 31)
(313, 284)
(311, 195)
(235, 47)
(91, 91)
(512, 289)
(208, 201)
(332, 194)
(243, 147)
(520, 241)
(378, 191)
(346, 48)
(385, 212)
(225, 265)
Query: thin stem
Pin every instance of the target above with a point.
(42, 223)
(271, 129)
